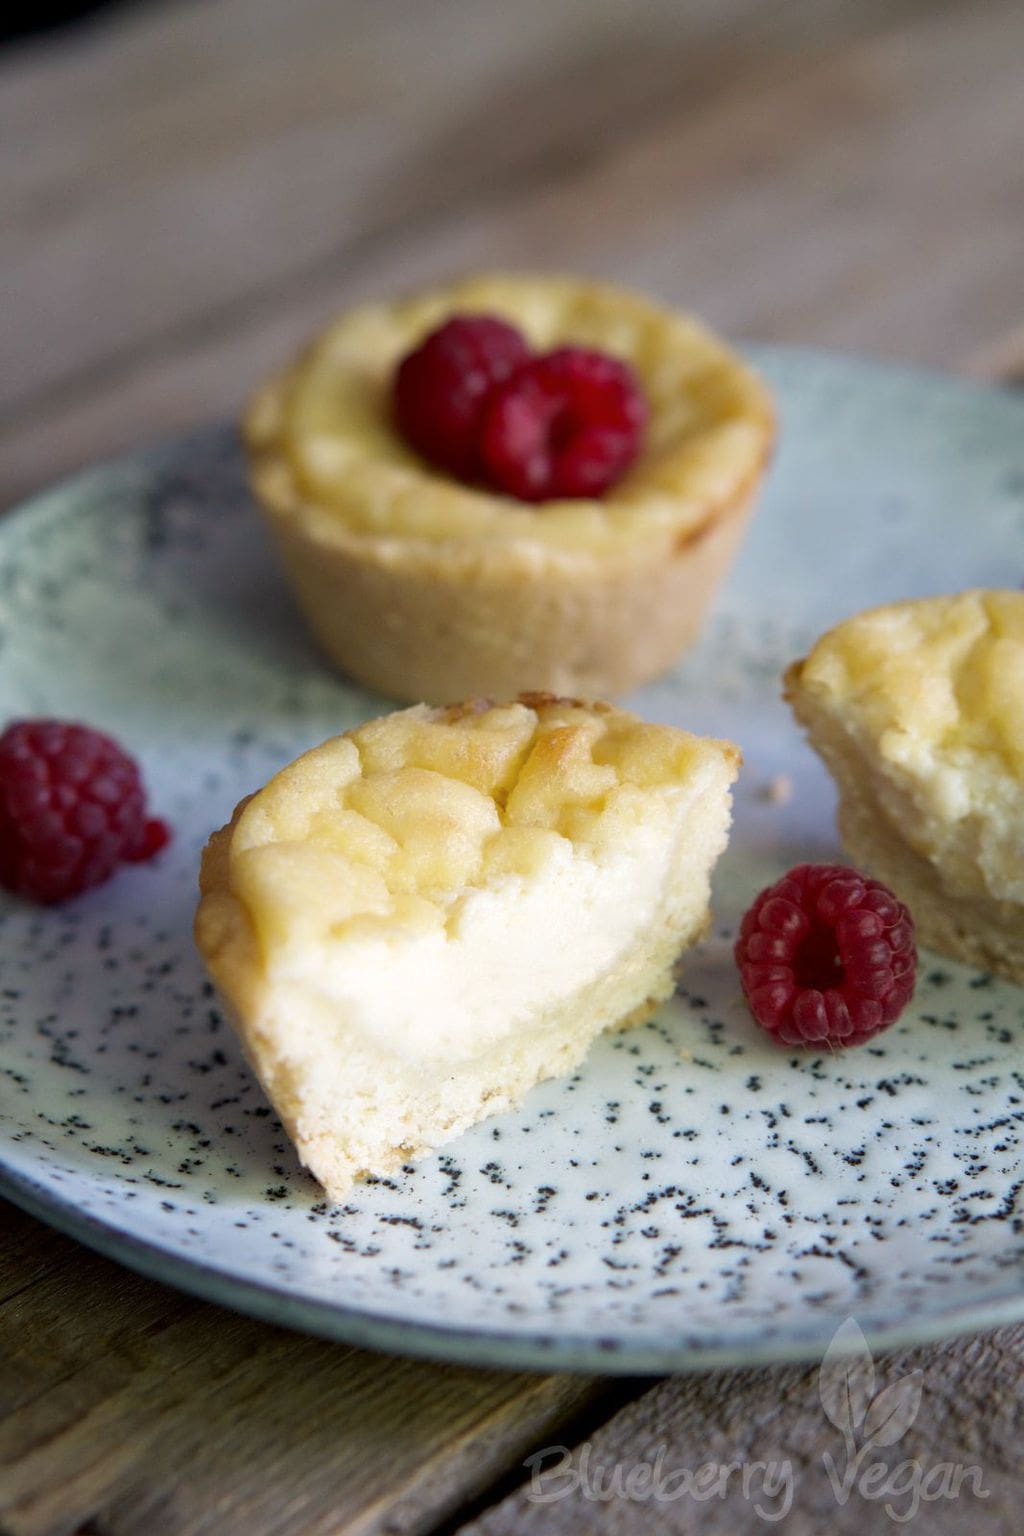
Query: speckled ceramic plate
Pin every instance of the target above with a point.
(694, 1196)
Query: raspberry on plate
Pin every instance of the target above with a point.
(567, 424)
(72, 807)
(441, 388)
(826, 957)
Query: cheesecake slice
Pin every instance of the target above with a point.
(417, 921)
(917, 709)
(423, 586)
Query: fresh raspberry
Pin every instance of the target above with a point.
(441, 388)
(72, 807)
(826, 957)
(567, 424)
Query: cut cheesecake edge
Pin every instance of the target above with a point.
(886, 826)
(364, 1083)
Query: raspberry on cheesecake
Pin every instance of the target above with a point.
(511, 482)
(564, 425)
(441, 389)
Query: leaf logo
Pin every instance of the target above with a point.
(846, 1383)
(894, 1410)
(846, 1380)
(868, 1421)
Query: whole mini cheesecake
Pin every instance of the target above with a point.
(417, 921)
(917, 709)
(432, 583)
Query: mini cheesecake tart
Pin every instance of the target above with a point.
(417, 921)
(427, 588)
(917, 709)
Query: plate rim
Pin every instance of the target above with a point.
(484, 1348)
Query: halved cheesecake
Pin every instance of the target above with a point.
(917, 709)
(417, 921)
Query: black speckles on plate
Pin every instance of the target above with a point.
(692, 1194)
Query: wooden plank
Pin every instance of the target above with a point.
(133, 1411)
(762, 1437)
(798, 197)
(1001, 358)
(205, 165)
(232, 152)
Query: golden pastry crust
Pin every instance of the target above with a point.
(401, 841)
(377, 828)
(918, 711)
(427, 588)
(940, 676)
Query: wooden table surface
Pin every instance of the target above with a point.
(188, 190)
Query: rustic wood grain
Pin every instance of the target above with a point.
(772, 1422)
(852, 183)
(231, 152)
(211, 158)
(1002, 358)
(129, 1410)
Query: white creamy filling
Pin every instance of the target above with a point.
(508, 951)
(967, 812)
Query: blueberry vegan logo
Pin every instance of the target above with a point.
(862, 1467)
(870, 1421)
